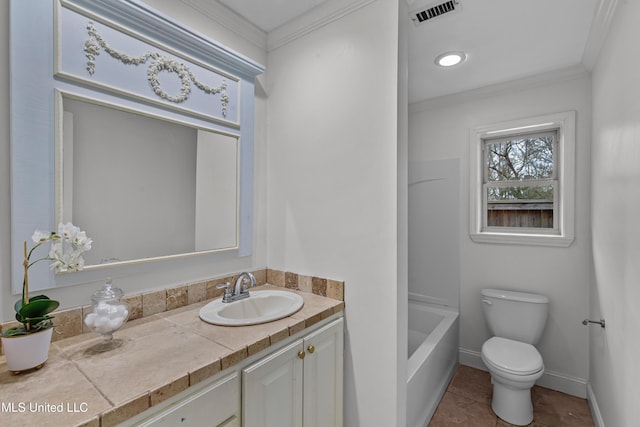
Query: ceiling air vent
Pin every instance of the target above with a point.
(424, 14)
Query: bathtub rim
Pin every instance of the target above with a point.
(421, 354)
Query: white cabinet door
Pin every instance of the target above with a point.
(272, 389)
(323, 366)
(298, 386)
(216, 405)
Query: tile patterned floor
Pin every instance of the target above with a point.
(467, 402)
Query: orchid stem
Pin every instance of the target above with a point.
(26, 275)
(25, 288)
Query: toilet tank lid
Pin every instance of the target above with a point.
(515, 296)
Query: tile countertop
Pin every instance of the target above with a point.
(161, 356)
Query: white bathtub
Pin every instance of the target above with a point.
(432, 359)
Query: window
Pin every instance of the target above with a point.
(522, 181)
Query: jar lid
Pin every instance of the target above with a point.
(108, 292)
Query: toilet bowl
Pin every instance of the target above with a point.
(514, 367)
(516, 321)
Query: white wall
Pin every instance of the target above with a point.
(144, 276)
(439, 129)
(6, 304)
(615, 351)
(434, 244)
(333, 180)
(402, 205)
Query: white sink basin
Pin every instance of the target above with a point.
(261, 307)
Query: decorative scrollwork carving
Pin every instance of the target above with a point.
(158, 64)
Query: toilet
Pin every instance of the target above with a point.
(516, 321)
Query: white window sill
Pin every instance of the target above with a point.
(522, 239)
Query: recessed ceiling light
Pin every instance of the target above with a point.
(449, 59)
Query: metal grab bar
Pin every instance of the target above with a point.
(599, 322)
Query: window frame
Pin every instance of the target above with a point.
(551, 181)
(562, 234)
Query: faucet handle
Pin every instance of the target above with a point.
(244, 284)
(227, 290)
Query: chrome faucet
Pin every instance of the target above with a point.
(240, 289)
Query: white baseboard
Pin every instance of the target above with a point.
(593, 406)
(550, 379)
(471, 358)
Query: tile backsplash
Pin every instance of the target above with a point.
(70, 322)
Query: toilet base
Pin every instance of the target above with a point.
(512, 405)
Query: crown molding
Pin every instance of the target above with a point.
(321, 15)
(605, 11)
(556, 76)
(230, 20)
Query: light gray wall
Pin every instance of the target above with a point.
(333, 179)
(615, 351)
(402, 206)
(440, 129)
(434, 245)
(7, 300)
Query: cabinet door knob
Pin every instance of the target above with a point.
(311, 349)
(301, 354)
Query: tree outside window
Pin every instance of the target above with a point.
(520, 178)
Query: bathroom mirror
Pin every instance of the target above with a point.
(144, 187)
(166, 172)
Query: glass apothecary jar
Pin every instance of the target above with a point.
(108, 313)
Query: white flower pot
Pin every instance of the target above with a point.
(24, 352)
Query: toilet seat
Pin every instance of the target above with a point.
(512, 357)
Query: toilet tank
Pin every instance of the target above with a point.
(519, 316)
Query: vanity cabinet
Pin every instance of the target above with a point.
(217, 405)
(299, 385)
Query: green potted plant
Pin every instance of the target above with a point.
(26, 345)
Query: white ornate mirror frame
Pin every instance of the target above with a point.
(124, 54)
